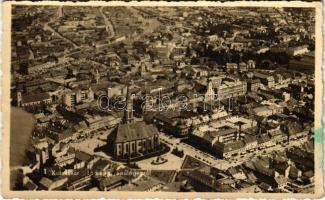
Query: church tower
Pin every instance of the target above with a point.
(97, 77)
(209, 95)
(128, 111)
(143, 69)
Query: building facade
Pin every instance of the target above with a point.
(72, 98)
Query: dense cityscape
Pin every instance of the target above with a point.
(174, 99)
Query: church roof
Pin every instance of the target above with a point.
(133, 131)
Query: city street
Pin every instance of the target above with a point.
(89, 144)
(108, 24)
(191, 151)
(174, 163)
(48, 27)
(223, 163)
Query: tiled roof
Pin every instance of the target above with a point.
(133, 131)
(264, 186)
(234, 146)
(66, 134)
(249, 139)
(209, 136)
(227, 131)
(83, 156)
(31, 186)
(263, 139)
(203, 178)
(264, 170)
(35, 97)
(111, 181)
(46, 182)
(100, 165)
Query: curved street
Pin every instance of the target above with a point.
(108, 24)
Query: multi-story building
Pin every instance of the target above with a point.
(267, 80)
(265, 111)
(30, 100)
(305, 64)
(176, 123)
(71, 98)
(231, 89)
(223, 142)
(295, 51)
(96, 122)
(253, 85)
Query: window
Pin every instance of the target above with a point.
(118, 149)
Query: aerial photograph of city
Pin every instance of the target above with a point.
(168, 99)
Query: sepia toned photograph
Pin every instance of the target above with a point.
(166, 99)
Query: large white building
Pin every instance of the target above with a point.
(71, 98)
